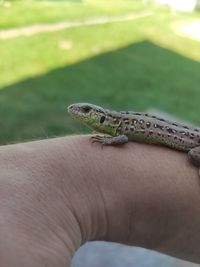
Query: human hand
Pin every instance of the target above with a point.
(57, 194)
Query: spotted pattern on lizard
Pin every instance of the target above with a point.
(123, 126)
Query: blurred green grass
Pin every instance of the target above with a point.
(132, 65)
(26, 12)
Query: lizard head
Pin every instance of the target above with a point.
(94, 117)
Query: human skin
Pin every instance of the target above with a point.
(56, 194)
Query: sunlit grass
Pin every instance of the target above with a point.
(24, 57)
(27, 12)
(42, 52)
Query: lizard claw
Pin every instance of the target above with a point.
(98, 139)
(109, 140)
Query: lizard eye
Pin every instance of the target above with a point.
(102, 119)
(86, 109)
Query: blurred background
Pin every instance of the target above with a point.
(120, 54)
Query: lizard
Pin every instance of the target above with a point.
(123, 126)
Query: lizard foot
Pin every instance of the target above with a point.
(194, 156)
(110, 140)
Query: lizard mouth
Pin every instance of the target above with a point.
(79, 110)
(73, 111)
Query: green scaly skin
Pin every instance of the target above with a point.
(121, 127)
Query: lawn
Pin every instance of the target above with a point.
(135, 65)
(26, 12)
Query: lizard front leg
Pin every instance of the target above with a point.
(194, 155)
(110, 140)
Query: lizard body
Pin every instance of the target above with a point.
(121, 127)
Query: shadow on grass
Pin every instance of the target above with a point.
(135, 77)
